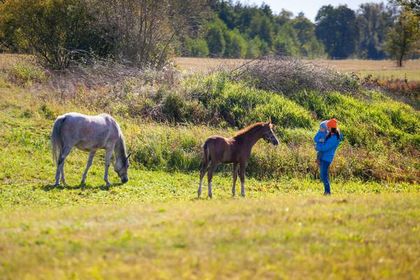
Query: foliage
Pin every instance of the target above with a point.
(239, 105)
(146, 33)
(403, 37)
(196, 48)
(337, 29)
(373, 22)
(286, 42)
(42, 27)
(215, 39)
(309, 45)
(236, 46)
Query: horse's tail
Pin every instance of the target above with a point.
(206, 153)
(56, 139)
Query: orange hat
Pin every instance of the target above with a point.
(332, 123)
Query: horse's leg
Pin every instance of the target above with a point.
(210, 177)
(242, 167)
(60, 165)
(89, 163)
(108, 156)
(235, 176)
(203, 170)
(57, 173)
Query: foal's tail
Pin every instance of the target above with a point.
(206, 154)
(56, 140)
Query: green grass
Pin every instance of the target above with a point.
(154, 227)
(68, 234)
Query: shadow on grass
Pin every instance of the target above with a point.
(51, 187)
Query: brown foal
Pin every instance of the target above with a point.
(236, 150)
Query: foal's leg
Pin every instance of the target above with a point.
(203, 170)
(242, 177)
(210, 177)
(108, 156)
(60, 166)
(235, 176)
(89, 163)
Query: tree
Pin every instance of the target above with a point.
(55, 31)
(309, 46)
(337, 30)
(215, 39)
(373, 21)
(411, 5)
(254, 48)
(286, 42)
(236, 46)
(403, 38)
(196, 47)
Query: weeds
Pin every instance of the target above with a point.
(26, 74)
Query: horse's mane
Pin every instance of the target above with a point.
(120, 147)
(249, 128)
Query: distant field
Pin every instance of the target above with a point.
(381, 68)
(378, 68)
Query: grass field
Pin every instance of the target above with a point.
(153, 227)
(376, 68)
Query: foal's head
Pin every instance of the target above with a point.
(268, 134)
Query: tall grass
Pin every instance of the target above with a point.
(166, 121)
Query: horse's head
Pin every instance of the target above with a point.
(268, 134)
(121, 167)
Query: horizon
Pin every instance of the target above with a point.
(308, 7)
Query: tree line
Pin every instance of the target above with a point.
(147, 32)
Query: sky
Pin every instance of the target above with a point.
(308, 7)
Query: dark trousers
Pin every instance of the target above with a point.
(324, 166)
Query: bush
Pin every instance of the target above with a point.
(288, 76)
(239, 105)
(366, 123)
(26, 74)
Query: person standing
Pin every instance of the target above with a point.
(327, 150)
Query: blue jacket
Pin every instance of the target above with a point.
(320, 136)
(328, 148)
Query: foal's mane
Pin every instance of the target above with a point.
(248, 129)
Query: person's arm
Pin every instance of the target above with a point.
(318, 137)
(327, 145)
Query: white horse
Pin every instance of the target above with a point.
(89, 133)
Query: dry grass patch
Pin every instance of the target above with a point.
(377, 68)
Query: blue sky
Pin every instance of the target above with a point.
(308, 7)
